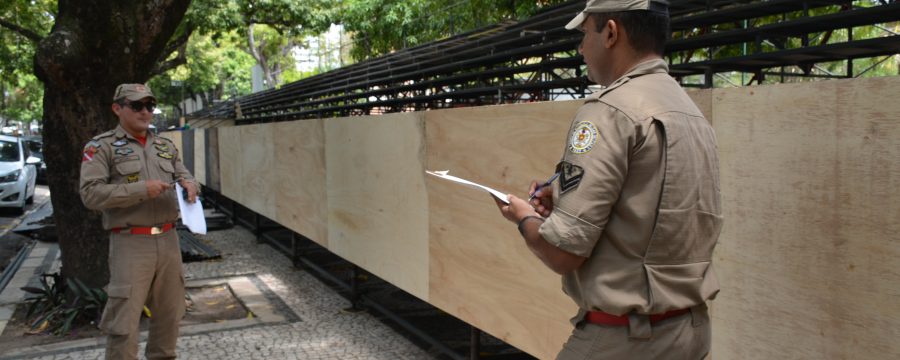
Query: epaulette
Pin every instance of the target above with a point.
(104, 135)
(166, 139)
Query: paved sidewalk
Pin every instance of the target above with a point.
(312, 325)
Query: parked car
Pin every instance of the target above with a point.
(18, 173)
(35, 144)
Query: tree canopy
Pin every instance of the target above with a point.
(22, 23)
(382, 26)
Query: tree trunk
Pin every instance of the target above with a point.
(93, 46)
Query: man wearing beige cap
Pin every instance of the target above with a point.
(128, 174)
(633, 220)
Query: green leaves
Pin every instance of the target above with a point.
(382, 26)
(22, 22)
(56, 310)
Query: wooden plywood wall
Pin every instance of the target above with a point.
(200, 156)
(257, 162)
(703, 99)
(808, 259)
(231, 163)
(175, 136)
(377, 204)
(481, 270)
(213, 176)
(302, 204)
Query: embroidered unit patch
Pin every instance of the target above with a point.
(583, 138)
(569, 176)
(133, 178)
(89, 150)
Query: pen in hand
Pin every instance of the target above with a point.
(549, 181)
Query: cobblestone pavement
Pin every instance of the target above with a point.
(323, 332)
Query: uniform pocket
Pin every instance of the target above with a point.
(118, 318)
(683, 235)
(167, 167)
(128, 165)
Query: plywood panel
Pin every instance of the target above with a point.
(230, 163)
(481, 269)
(212, 159)
(257, 180)
(808, 257)
(377, 205)
(703, 99)
(187, 150)
(175, 136)
(302, 204)
(200, 156)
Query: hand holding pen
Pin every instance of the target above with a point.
(541, 200)
(545, 184)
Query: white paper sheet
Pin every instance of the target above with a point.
(191, 214)
(443, 175)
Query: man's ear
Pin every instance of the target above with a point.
(612, 33)
(116, 108)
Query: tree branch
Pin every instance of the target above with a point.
(179, 44)
(167, 65)
(28, 34)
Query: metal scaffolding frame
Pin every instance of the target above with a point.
(537, 59)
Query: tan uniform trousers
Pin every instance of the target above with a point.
(144, 269)
(685, 337)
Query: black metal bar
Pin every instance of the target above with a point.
(474, 343)
(355, 296)
(234, 217)
(488, 58)
(257, 229)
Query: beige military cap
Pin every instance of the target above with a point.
(133, 92)
(606, 6)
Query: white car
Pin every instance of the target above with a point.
(18, 172)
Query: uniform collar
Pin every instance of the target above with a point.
(654, 66)
(121, 133)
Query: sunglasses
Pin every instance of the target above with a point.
(137, 106)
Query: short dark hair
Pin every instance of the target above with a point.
(648, 31)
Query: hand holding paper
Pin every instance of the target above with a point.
(191, 213)
(443, 175)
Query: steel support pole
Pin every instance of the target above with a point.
(474, 343)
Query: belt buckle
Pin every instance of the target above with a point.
(156, 230)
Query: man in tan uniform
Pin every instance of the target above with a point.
(129, 174)
(633, 220)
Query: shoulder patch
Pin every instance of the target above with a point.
(584, 136)
(90, 149)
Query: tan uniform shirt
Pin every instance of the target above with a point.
(639, 197)
(114, 169)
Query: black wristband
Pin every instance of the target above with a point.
(522, 222)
